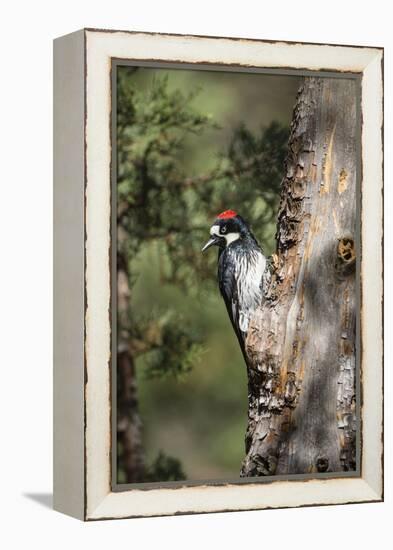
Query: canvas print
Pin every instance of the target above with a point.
(235, 275)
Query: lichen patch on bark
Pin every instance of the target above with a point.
(342, 181)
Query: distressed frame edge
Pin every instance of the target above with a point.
(376, 486)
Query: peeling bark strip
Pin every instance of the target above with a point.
(301, 343)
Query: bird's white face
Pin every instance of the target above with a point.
(222, 231)
(226, 229)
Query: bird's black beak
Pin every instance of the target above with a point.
(210, 242)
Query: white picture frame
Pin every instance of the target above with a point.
(82, 252)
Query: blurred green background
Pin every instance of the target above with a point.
(191, 143)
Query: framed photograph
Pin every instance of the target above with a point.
(218, 274)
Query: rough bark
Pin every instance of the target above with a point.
(301, 343)
(129, 425)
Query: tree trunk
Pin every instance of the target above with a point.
(301, 343)
(129, 426)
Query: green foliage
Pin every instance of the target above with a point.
(151, 128)
(158, 200)
(170, 345)
(258, 158)
(165, 468)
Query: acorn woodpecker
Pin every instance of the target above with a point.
(241, 265)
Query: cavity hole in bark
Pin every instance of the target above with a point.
(322, 464)
(346, 255)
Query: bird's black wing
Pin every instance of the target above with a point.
(229, 292)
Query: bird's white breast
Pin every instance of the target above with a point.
(248, 273)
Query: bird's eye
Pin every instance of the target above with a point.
(224, 229)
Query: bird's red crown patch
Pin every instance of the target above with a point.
(227, 214)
